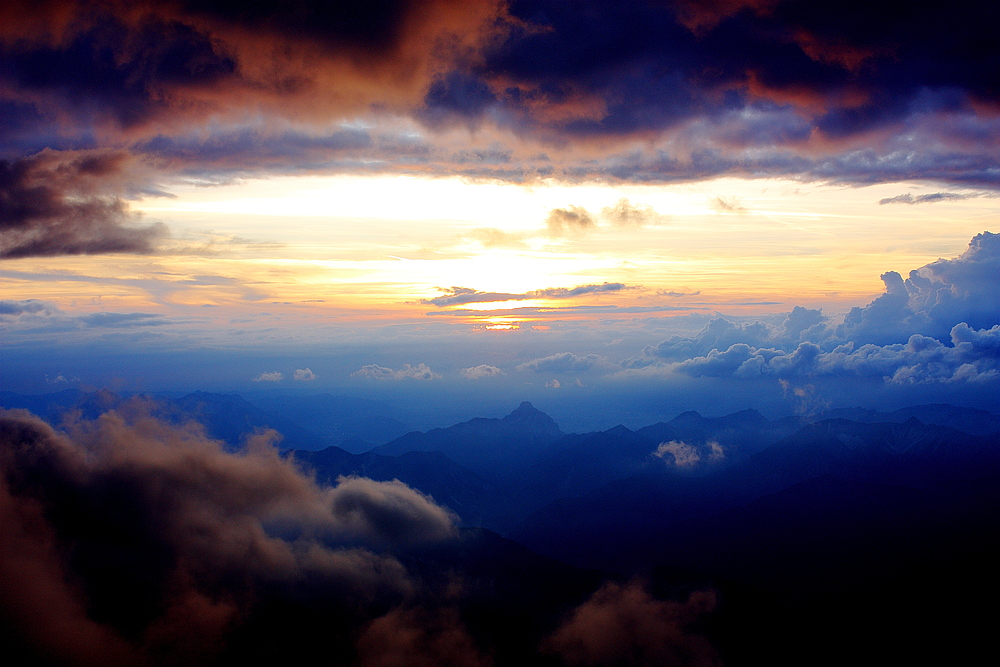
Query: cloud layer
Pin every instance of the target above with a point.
(941, 324)
(631, 90)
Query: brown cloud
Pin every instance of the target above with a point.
(70, 204)
(625, 625)
(418, 638)
(129, 538)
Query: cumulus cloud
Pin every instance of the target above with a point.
(939, 325)
(800, 324)
(69, 204)
(376, 372)
(177, 544)
(563, 362)
(625, 625)
(481, 371)
(972, 356)
(273, 376)
(303, 375)
(934, 298)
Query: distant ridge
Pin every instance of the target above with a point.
(491, 447)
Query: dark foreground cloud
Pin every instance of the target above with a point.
(625, 625)
(939, 325)
(69, 204)
(129, 541)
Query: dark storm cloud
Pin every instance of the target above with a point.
(132, 541)
(941, 324)
(633, 90)
(69, 204)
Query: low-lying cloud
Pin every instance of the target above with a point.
(131, 541)
(625, 625)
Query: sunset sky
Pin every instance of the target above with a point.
(473, 203)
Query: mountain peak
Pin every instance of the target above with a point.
(526, 409)
(529, 414)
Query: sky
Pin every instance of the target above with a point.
(616, 210)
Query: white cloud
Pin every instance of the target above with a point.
(274, 376)
(376, 372)
(304, 374)
(481, 371)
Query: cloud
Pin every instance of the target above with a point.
(122, 319)
(570, 221)
(455, 296)
(626, 215)
(179, 546)
(420, 638)
(638, 90)
(459, 295)
(940, 325)
(683, 455)
(972, 356)
(728, 205)
(563, 362)
(625, 625)
(273, 376)
(926, 199)
(571, 292)
(933, 298)
(481, 371)
(553, 384)
(12, 309)
(304, 375)
(575, 220)
(375, 372)
(491, 237)
(66, 204)
(720, 333)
